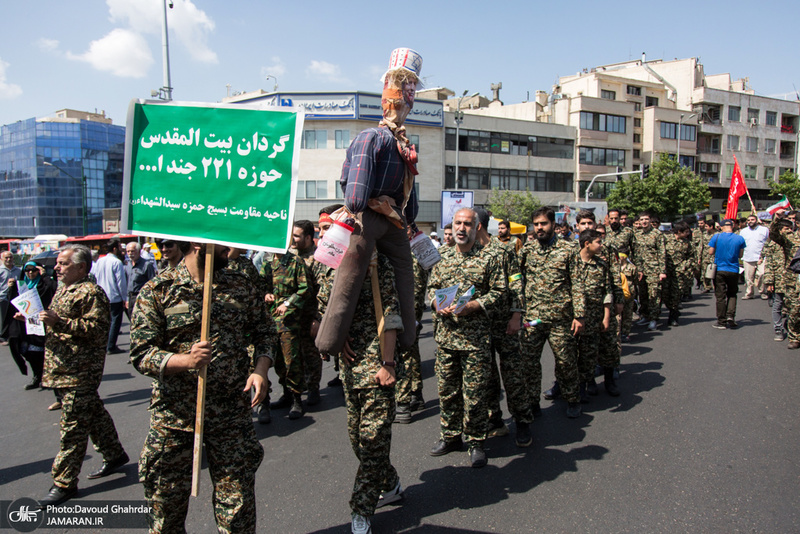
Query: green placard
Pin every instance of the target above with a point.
(218, 173)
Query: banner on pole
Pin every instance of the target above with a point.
(214, 173)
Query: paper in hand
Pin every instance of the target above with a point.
(445, 297)
(463, 299)
(29, 304)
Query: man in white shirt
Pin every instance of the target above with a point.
(755, 236)
(110, 274)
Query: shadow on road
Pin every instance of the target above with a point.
(12, 474)
(129, 396)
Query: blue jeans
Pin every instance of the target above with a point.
(117, 308)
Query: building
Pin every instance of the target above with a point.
(494, 151)
(629, 113)
(57, 174)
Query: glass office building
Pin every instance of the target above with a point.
(43, 166)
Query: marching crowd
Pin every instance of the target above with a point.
(576, 288)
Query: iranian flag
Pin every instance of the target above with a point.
(738, 188)
(782, 205)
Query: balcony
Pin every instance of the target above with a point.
(787, 128)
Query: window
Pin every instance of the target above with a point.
(733, 142)
(505, 143)
(637, 138)
(650, 101)
(772, 118)
(750, 172)
(637, 122)
(637, 106)
(729, 170)
(637, 154)
(342, 138)
(601, 156)
(608, 95)
(669, 130)
(752, 144)
(602, 122)
(769, 146)
(688, 132)
(734, 113)
(752, 116)
(508, 179)
(315, 139)
(769, 173)
(312, 189)
(634, 90)
(414, 140)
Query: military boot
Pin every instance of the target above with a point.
(416, 403)
(297, 410)
(610, 382)
(263, 413)
(313, 395)
(284, 401)
(403, 413)
(591, 387)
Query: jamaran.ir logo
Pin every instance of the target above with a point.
(25, 515)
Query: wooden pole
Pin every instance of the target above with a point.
(376, 300)
(752, 206)
(199, 419)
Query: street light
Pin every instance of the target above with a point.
(165, 92)
(680, 121)
(81, 181)
(459, 118)
(275, 87)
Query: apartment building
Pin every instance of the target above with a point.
(679, 110)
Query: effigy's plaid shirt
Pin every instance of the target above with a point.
(374, 167)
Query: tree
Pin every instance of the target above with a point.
(788, 184)
(516, 206)
(669, 191)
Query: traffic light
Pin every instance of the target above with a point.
(645, 171)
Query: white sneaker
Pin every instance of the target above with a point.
(360, 525)
(390, 496)
(652, 326)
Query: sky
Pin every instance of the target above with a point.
(99, 54)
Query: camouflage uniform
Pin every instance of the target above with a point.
(370, 407)
(244, 265)
(286, 279)
(789, 243)
(463, 344)
(700, 241)
(75, 355)
(548, 271)
(622, 240)
(514, 366)
(167, 322)
(593, 280)
(678, 262)
(409, 373)
(774, 275)
(650, 259)
(308, 350)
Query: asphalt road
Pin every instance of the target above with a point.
(703, 439)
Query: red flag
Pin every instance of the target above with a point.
(738, 188)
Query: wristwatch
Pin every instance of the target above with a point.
(388, 364)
